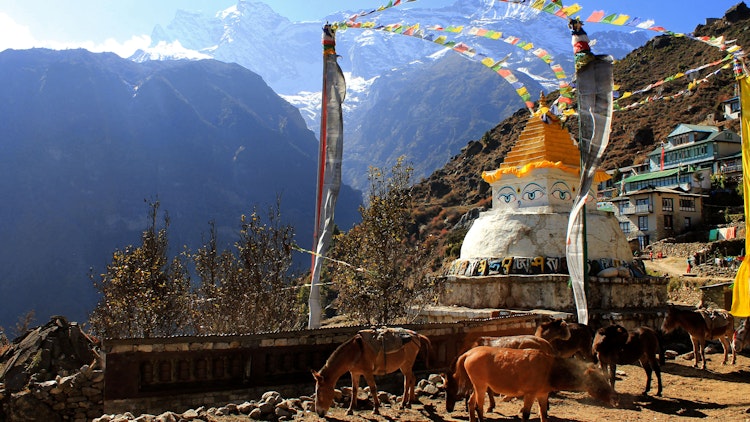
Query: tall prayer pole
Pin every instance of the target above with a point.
(329, 165)
(594, 83)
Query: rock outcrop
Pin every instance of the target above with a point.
(51, 373)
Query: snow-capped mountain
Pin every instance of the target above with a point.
(288, 57)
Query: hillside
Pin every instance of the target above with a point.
(449, 193)
(86, 138)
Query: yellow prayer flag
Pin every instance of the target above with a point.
(488, 61)
(620, 20)
(572, 9)
(741, 289)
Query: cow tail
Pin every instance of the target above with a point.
(462, 378)
(660, 345)
(425, 346)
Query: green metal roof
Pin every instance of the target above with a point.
(651, 176)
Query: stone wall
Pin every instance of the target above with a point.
(553, 292)
(78, 398)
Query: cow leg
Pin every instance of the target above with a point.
(697, 350)
(476, 404)
(657, 369)
(355, 388)
(491, 396)
(726, 345)
(646, 367)
(734, 352)
(409, 396)
(528, 401)
(374, 392)
(702, 346)
(543, 407)
(612, 374)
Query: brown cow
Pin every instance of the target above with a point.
(530, 373)
(578, 344)
(554, 329)
(615, 345)
(510, 342)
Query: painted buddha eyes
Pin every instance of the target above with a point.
(532, 192)
(561, 191)
(506, 195)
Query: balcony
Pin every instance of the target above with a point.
(644, 209)
(628, 210)
(732, 169)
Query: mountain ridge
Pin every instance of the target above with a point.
(294, 69)
(89, 137)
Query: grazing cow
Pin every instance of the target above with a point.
(615, 345)
(554, 329)
(530, 373)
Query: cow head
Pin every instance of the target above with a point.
(324, 394)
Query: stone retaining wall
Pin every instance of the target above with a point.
(78, 398)
(553, 292)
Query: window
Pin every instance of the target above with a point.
(687, 204)
(625, 227)
(687, 223)
(643, 241)
(667, 222)
(667, 204)
(642, 222)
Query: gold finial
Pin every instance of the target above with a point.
(542, 99)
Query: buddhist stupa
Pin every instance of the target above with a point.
(532, 196)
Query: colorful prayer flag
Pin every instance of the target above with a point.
(741, 289)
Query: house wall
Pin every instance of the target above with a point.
(656, 227)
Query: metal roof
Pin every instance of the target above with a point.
(685, 128)
(652, 175)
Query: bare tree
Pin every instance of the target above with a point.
(143, 293)
(386, 275)
(252, 289)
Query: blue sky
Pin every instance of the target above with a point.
(122, 26)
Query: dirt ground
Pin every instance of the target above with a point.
(721, 393)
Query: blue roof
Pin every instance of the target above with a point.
(684, 128)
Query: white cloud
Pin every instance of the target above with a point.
(122, 49)
(13, 35)
(19, 37)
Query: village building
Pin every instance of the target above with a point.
(664, 196)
